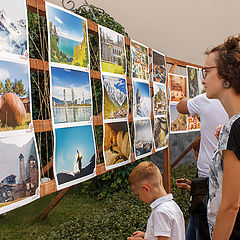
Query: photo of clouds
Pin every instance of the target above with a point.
(143, 138)
(74, 160)
(71, 95)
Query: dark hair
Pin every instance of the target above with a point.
(228, 61)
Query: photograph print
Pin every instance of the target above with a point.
(159, 67)
(177, 86)
(112, 48)
(140, 67)
(178, 121)
(159, 99)
(143, 138)
(71, 95)
(161, 133)
(15, 109)
(68, 37)
(19, 173)
(13, 28)
(116, 144)
(115, 97)
(193, 123)
(141, 99)
(74, 160)
(192, 77)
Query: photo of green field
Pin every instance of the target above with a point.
(113, 55)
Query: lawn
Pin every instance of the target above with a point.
(80, 216)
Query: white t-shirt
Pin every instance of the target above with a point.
(165, 220)
(212, 114)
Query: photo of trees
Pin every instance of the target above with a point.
(14, 96)
(68, 38)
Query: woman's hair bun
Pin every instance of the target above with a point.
(232, 43)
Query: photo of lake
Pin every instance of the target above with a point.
(71, 95)
(68, 37)
(67, 46)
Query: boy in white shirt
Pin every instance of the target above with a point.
(166, 220)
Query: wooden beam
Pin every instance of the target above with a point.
(48, 188)
(55, 201)
(47, 168)
(37, 6)
(185, 152)
(181, 63)
(42, 125)
(167, 169)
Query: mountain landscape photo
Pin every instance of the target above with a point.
(13, 37)
(115, 97)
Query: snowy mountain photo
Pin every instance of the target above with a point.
(13, 35)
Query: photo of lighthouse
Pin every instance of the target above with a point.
(19, 174)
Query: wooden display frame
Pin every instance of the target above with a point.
(38, 6)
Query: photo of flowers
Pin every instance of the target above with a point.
(112, 48)
(116, 144)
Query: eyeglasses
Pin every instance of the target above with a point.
(205, 71)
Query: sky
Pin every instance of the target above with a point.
(14, 13)
(68, 141)
(111, 33)
(14, 71)
(68, 79)
(143, 89)
(68, 26)
(10, 149)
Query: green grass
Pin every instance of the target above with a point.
(23, 223)
(112, 68)
(79, 216)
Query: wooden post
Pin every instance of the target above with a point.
(54, 203)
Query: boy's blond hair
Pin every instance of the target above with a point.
(145, 171)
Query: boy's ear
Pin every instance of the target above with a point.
(146, 187)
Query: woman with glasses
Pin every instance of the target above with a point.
(221, 76)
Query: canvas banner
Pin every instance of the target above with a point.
(20, 168)
(117, 144)
(141, 109)
(71, 97)
(160, 102)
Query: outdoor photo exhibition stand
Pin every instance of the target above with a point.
(42, 126)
